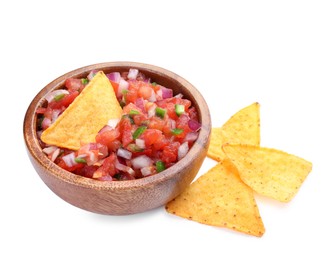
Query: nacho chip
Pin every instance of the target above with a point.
(269, 172)
(242, 128)
(220, 198)
(215, 145)
(85, 116)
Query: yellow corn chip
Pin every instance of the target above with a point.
(220, 198)
(242, 128)
(85, 116)
(269, 172)
(215, 145)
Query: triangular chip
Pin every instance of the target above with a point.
(215, 145)
(220, 198)
(269, 172)
(242, 128)
(85, 116)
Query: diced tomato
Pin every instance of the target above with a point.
(170, 153)
(73, 168)
(157, 123)
(161, 142)
(126, 131)
(140, 119)
(107, 137)
(182, 123)
(86, 171)
(41, 110)
(129, 107)
(145, 92)
(107, 167)
(65, 101)
(73, 84)
(150, 136)
(115, 86)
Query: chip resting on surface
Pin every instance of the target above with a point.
(85, 116)
(242, 128)
(220, 198)
(270, 172)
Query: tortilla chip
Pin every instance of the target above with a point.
(215, 145)
(220, 198)
(85, 116)
(269, 172)
(242, 128)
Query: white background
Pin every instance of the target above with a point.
(279, 53)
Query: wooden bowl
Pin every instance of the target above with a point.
(120, 197)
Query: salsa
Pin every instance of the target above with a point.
(156, 129)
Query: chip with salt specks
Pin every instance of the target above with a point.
(219, 198)
(242, 128)
(270, 172)
(85, 116)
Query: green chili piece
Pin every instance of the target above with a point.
(133, 112)
(79, 160)
(180, 109)
(59, 97)
(139, 131)
(160, 166)
(177, 131)
(84, 81)
(160, 112)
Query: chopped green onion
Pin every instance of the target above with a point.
(79, 160)
(133, 112)
(160, 112)
(160, 166)
(177, 131)
(139, 131)
(84, 81)
(59, 97)
(180, 109)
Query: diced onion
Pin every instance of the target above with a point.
(132, 74)
(140, 143)
(123, 168)
(183, 150)
(167, 93)
(141, 161)
(194, 125)
(50, 96)
(55, 154)
(123, 85)
(69, 159)
(113, 122)
(55, 114)
(114, 76)
(91, 75)
(191, 136)
(152, 110)
(50, 149)
(152, 98)
(147, 170)
(124, 153)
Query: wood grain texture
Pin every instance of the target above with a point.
(120, 197)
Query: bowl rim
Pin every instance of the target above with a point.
(31, 140)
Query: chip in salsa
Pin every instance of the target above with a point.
(154, 130)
